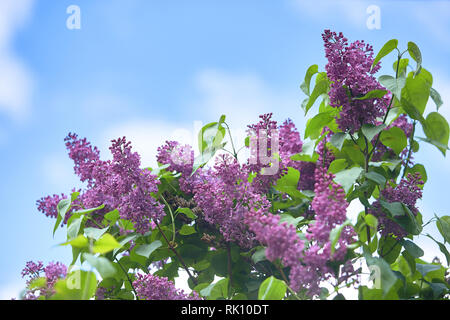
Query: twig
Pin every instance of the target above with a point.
(128, 277)
(177, 254)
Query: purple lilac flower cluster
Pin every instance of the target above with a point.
(330, 208)
(350, 71)
(308, 262)
(262, 135)
(52, 273)
(408, 191)
(150, 287)
(48, 204)
(180, 159)
(225, 196)
(118, 183)
(281, 240)
(290, 144)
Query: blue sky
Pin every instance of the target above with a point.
(153, 69)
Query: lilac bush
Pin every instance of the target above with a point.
(276, 226)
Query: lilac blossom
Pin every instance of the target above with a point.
(350, 72)
(117, 184)
(180, 159)
(225, 195)
(408, 191)
(150, 287)
(52, 273)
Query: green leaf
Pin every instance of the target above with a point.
(62, 208)
(320, 88)
(145, 250)
(387, 276)
(371, 221)
(207, 155)
(424, 269)
(305, 86)
(124, 241)
(395, 139)
(95, 233)
(443, 225)
(290, 178)
(112, 216)
(259, 255)
(353, 153)
(337, 139)
(187, 230)
(37, 283)
(436, 98)
(202, 265)
(392, 84)
(216, 290)
(377, 93)
(376, 177)
(389, 248)
(415, 53)
(79, 242)
(394, 208)
(187, 212)
(415, 94)
(410, 260)
(103, 265)
(78, 285)
(347, 178)
(387, 48)
(211, 135)
(290, 220)
(105, 244)
(272, 289)
(370, 130)
(435, 143)
(90, 210)
(412, 248)
(74, 226)
(390, 164)
(409, 221)
(74, 196)
(436, 129)
(337, 165)
(315, 125)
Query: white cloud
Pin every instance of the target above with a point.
(15, 79)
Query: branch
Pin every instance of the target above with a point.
(169, 244)
(128, 277)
